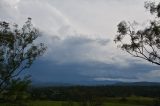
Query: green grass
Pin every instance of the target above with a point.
(51, 103)
(54, 103)
(45, 103)
(120, 104)
(128, 101)
(132, 100)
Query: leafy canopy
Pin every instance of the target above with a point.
(17, 50)
(142, 43)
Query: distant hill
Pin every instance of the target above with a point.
(138, 84)
(77, 83)
(96, 83)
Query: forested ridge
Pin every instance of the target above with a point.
(77, 93)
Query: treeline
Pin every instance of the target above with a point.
(79, 93)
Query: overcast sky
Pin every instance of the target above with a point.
(79, 35)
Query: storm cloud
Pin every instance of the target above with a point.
(79, 35)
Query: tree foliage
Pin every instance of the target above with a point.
(18, 50)
(143, 43)
(17, 90)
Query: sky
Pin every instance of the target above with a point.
(79, 35)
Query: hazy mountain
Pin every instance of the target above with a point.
(83, 83)
(138, 84)
(96, 83)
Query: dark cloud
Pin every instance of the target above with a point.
(49, 71)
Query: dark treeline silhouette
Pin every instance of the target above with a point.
(80, 93)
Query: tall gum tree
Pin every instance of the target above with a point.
(17, 50)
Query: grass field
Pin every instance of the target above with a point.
(49, 103)
(132, 100)
(129, 101)
(54, 103)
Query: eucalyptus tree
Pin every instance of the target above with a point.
(143, 43)
(18, 50)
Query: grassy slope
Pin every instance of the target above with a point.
(130, 101)
(53, 103)
(50, 103)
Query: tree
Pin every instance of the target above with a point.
(143, 43)
(18, 50)
(17, 90)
